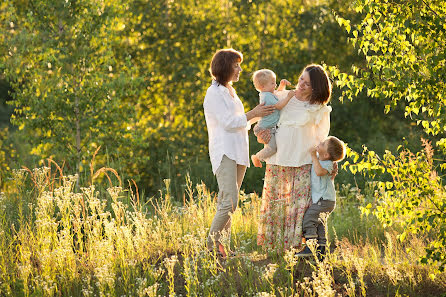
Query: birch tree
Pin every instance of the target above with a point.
(70, 77)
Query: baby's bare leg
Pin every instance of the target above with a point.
(268, 150)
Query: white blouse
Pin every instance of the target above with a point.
(301, 126)
(227, 126)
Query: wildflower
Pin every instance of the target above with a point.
(269, 272)
(114, 192)
(290, 258)
(264, 294)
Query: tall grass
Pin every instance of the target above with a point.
(57, 239)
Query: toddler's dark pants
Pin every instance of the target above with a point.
(312, 227)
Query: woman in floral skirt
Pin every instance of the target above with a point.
(304, 122)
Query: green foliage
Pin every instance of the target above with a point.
(405, 53)
(155, 129)
(72, 83)
(409, 194)
(351, 205)
(5, 151)
(404, 46)
(5, 110)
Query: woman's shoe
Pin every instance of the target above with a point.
(226, 253)
(306, 252)
(222, 253)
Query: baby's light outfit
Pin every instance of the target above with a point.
(268, 122)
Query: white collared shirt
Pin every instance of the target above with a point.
(301, 126)
(227, 126)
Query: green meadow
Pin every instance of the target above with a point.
(57, 240)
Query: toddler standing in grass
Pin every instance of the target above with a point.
(323, 191)
(265, 82)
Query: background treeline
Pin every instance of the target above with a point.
(130, 77)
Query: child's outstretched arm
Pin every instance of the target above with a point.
(281, 104)
(320, 171)
(283, 84)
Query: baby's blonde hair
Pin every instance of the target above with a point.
(262, 77)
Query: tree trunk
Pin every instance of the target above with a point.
(78, 139)
(262, 35)
(168, 115)
(228, 22)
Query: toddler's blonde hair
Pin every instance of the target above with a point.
(261, 77)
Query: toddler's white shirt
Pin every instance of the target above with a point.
(301, 126)
(227, 126)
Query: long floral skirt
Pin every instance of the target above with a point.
(286, 196)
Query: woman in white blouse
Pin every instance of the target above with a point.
(303, 123)
(228, 126)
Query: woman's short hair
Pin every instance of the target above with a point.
(320, 84)
(261, 77)
(222, 64)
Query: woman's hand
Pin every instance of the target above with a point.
(264, 136)
(334, 172)
(260, 111)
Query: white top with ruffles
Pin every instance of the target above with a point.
(301, 126)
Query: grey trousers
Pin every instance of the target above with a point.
(270, 148)
(311, 226)
(229, 178)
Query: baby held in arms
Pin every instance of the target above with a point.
(265, 82)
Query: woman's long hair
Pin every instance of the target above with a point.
(320, 84)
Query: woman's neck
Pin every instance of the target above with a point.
(303, 99)
(231, 89)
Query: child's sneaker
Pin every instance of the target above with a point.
(306, 252)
